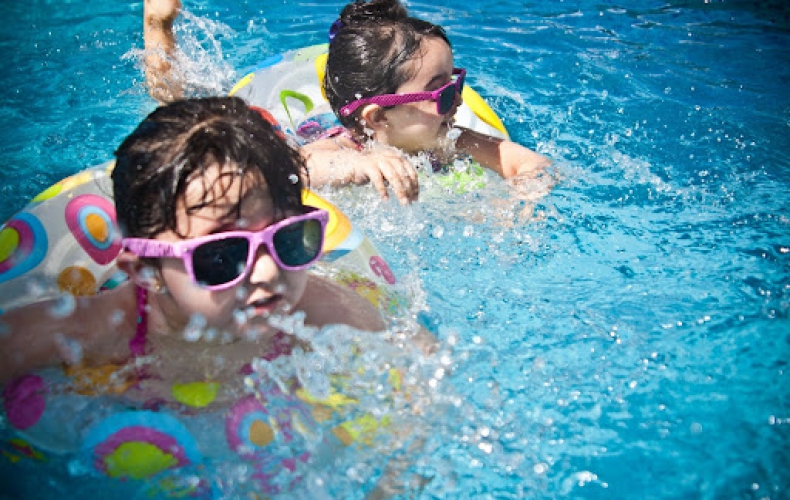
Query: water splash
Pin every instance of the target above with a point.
(199, 62)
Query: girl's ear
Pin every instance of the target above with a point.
(142, 274)
(374, 117)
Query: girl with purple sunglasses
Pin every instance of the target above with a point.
(390, 78)
(209, 201)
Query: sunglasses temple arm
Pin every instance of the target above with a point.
(149, 248)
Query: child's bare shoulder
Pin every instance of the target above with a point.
(326, 303)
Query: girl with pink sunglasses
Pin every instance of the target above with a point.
(209, 201)
(390, 79)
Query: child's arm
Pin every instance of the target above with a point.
(39, 335)
(504, 157)
(337, 162)
(327, 303)
(160, 45)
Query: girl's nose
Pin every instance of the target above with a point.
(264, 267)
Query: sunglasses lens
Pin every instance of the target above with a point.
(299, 244)
(446, 99)
(220, 262)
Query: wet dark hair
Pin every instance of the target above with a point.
(179, 142)
(371, 44)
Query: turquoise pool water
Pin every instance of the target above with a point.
(626, 337)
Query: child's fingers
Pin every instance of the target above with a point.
(407, 175)
(377, 179)
(392, 178)
(410, 174)
(405, 185)
(389, 168)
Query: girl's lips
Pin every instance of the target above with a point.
(264, 307)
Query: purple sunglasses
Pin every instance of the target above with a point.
(444, 96)
(220, 261)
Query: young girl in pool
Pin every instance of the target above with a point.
(390, 78)
(215, 240)
(391, 81)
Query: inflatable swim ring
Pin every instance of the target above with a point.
(289, 86)
(271, 432)
(66, 241)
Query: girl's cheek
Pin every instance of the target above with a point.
(216, 308)
(295, 285)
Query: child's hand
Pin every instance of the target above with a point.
(384, 167)
(529, 190)
(162, 11)
(338, 162)
(163, 80)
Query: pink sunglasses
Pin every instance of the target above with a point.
(444, 97)
(220, 261)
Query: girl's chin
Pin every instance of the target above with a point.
(257, 328)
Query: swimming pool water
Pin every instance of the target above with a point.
(625, 336)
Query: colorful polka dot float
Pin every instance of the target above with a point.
(23, 246)
(252, 428)
(24, 401)
(140, 444)
(65, 240)
(91, 219)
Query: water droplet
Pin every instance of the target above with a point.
(211, 334)
(63, 307)
(453, 134)
(117, 317)
(194, 329)
(71, 350)
(147, 273)
(35, 287)
(239, 317)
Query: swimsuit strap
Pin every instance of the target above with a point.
(137, 344)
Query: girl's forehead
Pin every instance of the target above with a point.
(433, 59)
(219, 183)
(224, 195)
